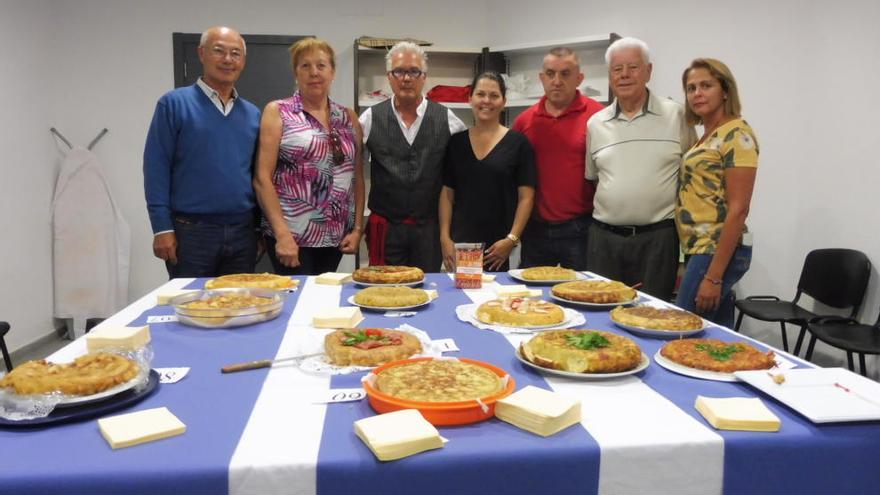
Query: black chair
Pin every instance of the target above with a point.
(847, 334)
(834, 277)
(4, 329)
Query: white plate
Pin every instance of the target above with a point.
(694, 372)
(468, 314)
(822, 395)
(517, 274)
(566, 319)
(644, 363)
(401, 284)
(657, 333)
(593, 305)
(387, 308)
(87, 399)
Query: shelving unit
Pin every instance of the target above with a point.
(456, 66)
(450, 66)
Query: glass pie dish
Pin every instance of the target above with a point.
(227, 308)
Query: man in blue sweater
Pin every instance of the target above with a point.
(198, 165)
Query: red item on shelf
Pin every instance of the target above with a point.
(450, 94)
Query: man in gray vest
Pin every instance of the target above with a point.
(634, 152)
(406, 137)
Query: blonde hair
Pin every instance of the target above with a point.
(309, 45)
(720, 71)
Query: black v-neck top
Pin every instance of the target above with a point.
(486, 190)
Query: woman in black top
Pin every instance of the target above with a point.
(488, 181)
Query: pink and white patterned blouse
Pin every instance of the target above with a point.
(314, 176)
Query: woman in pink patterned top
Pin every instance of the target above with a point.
(309, 178)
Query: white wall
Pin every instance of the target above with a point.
(29, 166)
(808, 76)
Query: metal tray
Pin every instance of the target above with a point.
(227, 318)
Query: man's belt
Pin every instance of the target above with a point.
(633, 230)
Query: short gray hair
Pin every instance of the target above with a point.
(628, 42)
(406, 47)
(204, 38)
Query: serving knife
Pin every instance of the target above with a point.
(263, 363)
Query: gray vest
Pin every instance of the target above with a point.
(405, 180)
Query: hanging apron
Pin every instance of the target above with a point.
(91, 243)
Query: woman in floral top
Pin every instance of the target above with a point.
(716, 180)
(309, 179)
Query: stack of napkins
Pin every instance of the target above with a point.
(166, 297)
(539, 411)
(139, 427)
(517, 290)
(333, 278)
(398, 434)
(125, 338)
(344, 317)
(737, 413)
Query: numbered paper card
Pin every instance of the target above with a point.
(446, 345)
(161, 319)
(171, 375)
(340, 395)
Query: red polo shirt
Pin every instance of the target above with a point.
(560, 145)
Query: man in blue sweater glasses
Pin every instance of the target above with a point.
(198, 166)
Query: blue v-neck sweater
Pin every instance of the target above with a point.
(198, 161)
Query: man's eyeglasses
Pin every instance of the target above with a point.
(220, 54)
(401, 73)
(336, 148)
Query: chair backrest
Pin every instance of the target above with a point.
(836, 277)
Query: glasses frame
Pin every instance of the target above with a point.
(400, 73)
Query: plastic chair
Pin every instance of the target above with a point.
(847, 334)
(4, 329)
(835, 277)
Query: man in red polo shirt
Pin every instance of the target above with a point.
(556, 126)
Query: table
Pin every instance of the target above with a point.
(260, 432)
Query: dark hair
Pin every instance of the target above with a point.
(492, 76)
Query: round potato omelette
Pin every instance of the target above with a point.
(582, 351)
(717, 355)
(594, 291)
(86, 375)
(391, 297)
(520, 312)
(438, 380)
(388, 274)
(369, 346)
(657, 318)
(538, 273)
(251, 280)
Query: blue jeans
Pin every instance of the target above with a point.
(207, 249)
(563, 243)
(694, 272)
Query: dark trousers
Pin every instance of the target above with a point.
(207, 249)
(650, 258)
(312, 261)
(413, 244)
(551, 244)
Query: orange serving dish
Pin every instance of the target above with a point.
(440, 413)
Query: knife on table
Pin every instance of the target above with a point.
(263, 363)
